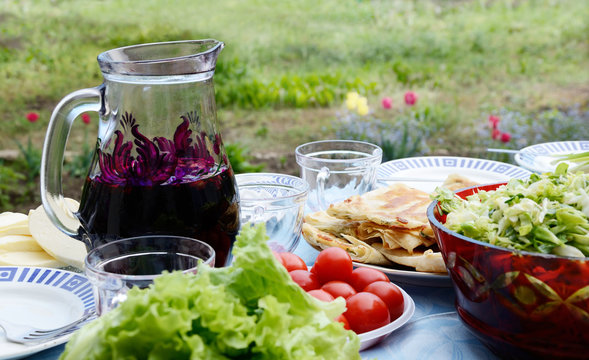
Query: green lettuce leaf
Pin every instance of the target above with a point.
(249, 310)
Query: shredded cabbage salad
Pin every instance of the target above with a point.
(548, 213)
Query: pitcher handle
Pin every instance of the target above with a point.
(322, 178)
(62, 118)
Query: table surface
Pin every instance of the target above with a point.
(434, 331)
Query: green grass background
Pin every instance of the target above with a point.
(288, 64)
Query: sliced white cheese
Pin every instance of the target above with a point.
(55, 242)
(14, 224)
(29, 258)
(8, 213)
(19, 243)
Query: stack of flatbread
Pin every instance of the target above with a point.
(386, 226)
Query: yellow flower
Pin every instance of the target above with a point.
(352, 100)
(362, 106)
(363, 110)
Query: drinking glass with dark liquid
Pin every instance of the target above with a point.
(159, 166)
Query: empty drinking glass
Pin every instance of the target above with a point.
(277, 200)
(117, 266)
(337, 169)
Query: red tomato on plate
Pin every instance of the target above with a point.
(278, 257)
(321, 295)
(339, 288)
(344, 321)
(292, 262)
(390, 294)
(305, 279)
(363, 276)
(366, 312)
(333, 264)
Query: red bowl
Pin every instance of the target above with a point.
(519, 304)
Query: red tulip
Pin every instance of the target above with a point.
(86, 118)
(505, 137)
(494, 121)
(32, 117)
(496, 134)
(387, 102)
(410, 98)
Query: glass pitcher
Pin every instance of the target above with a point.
(159, 166)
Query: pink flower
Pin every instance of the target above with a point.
(32, 117)
(505, 137)
(410, 98)
(494, 121)
(496, 134)
(387, 102)
(86, 118)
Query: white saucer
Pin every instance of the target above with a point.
(540, 157)
(42, 298)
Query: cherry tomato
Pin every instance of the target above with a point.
(333, 264)
(305, 279)
(344, 321)
(366, 312)
(339, 288)
(390, 294)
(278, 257)
(363, 276)
(292, 262)
(321, 295)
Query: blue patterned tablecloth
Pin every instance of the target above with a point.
(434, 331)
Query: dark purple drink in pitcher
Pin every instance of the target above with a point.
(171, 187)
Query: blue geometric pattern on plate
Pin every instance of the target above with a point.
(558, 147)
(439, 337)
(69, 281)
(394, 166)
(537, 157)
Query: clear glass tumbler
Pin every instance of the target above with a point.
(277, 200)
(337, 169)
(116, 267)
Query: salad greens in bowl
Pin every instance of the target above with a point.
(547, 213)
(517, 256)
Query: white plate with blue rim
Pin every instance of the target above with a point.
(44, 298)
(543, 157)
(428, 172)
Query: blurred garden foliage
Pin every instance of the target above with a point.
(288, 66)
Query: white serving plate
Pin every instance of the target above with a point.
(43, 298)
(412, 277)
(371, 338)
(428, 172)
(539, 157)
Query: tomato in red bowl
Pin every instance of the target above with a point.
(520, 304)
